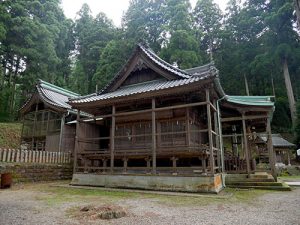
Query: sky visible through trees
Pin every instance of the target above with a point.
(257, 41)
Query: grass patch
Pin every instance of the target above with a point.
(10, 135)
(59, 195)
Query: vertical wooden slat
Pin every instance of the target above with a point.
(13, 155)
(153, 120)
(9, 155)
(4, 155)
(210, 137)
(188, 127)
(112, 139)
(17, 155)
(30, 156)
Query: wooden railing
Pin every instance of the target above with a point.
(29, 156)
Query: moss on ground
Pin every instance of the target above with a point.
(10, 134)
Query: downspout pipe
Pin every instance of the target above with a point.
(221, 138)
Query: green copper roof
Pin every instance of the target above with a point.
(251, 100)
(57, 89)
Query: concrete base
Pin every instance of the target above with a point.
(211, 184)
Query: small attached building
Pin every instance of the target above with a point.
(46, 116)
(156, 126)
(282, 147)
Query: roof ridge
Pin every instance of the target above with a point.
(57, 89)
(150, 51)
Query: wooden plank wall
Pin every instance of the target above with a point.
(28, 156)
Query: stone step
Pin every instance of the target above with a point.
(275, 188)
(253, 184)
(236, 180)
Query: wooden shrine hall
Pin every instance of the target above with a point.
(46, 116)
(156, 126)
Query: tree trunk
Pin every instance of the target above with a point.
(289, 90)
(246, 85)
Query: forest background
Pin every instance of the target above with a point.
(254, 44)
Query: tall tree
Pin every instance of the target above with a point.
(207, 22)
(145, 21)
(92, 35)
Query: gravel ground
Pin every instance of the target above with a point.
(24, 206)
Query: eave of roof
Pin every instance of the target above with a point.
(135, 89)
(251, 100)
(277, 141)
(52, 95)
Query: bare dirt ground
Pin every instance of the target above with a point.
(43, 204)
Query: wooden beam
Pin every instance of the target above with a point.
(150, 110)
(246, 143)
(239, 118)
(210, 137)
(153, 137)
(112, 138)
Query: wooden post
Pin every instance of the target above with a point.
(203, 165)
(104, 162)
(270, 149)
(246, 144)
(174, 164)
(153, 138)
(210, 137)
(62, 124)
(288, 157)
(188, 128)
(112, 139)
(125, 164)
(77, 142)
(34, 124)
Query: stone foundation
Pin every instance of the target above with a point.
(211, 184)
(22, 172)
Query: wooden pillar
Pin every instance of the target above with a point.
(188, 128)
(125, 163)
(153, 137)
(62, 124)
(34, 125)
(104, 165)
(204, 165)
(210, 137)
(246, 143)
(270, 149)
(217, 136)
(148, 160)
(76, 149)
(174, 163)
(112, 139)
